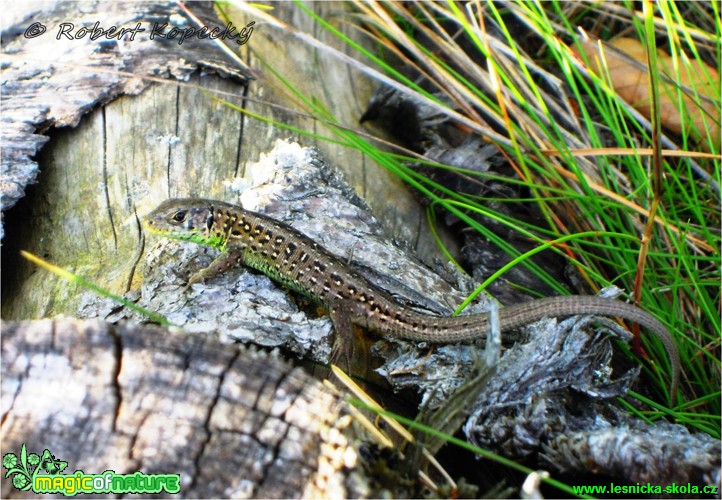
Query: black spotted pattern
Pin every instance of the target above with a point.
(304, 265)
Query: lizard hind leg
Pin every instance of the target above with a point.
(344, 352)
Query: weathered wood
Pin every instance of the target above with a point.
(52, 76)
(660, 454)
(82, 215)
(230, 420)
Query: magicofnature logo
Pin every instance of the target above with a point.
(27, 473)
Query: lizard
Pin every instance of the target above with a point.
(301, 264)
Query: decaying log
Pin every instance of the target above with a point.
(231, 421)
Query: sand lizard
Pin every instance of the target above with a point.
(303, 265)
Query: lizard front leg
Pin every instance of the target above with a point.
(220, 264)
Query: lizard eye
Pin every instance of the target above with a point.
(179, 216)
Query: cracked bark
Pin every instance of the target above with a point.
(229, 420)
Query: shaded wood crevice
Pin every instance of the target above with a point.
(206, 426)
(116, 385)
(104, 160)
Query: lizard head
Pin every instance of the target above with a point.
(186, 219)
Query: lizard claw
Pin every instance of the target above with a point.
(198, 277)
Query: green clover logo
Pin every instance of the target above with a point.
(51, 465)
(23, 469)
(18, 469)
